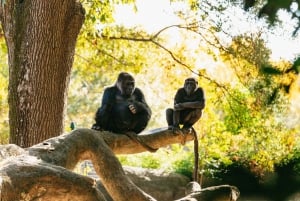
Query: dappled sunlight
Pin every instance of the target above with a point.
(294, 117)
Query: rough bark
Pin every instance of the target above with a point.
(40, 37)
(41, 170)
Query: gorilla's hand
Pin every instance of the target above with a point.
(96, 127)
(132, 108)
(179, 106)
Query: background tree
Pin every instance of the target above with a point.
(40, 37)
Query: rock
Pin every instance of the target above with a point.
(158, 183)
(192, 187)
(10, 150)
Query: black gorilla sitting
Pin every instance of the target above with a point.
(123, 108)
(188, 105)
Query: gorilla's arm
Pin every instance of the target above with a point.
(140, 102)
(189, 105)
(104, 111)
(109, 96)
(198, 102)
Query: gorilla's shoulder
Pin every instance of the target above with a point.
(138, 90)
(111, 88)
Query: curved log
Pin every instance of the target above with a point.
(27, 178)
(65, 151)
(43, 171)
(82, 143)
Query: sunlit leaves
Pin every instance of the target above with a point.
(242, 121)
(238, 115)
(4, 127)
(194, 4)
(296, 65)
(98, 10)
(250, 47)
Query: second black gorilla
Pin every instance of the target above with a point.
(124, 108)
(189, 102)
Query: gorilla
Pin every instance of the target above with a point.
(124, 108)
(188, 105)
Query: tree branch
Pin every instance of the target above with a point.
(26, 175)
(40, 172)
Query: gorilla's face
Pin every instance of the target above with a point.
(127, 87)
(190, 85)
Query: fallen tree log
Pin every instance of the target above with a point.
(43, 171)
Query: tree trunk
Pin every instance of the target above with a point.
(41, 37)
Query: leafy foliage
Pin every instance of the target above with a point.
(271, 8)
(4, 127)
(244, 120)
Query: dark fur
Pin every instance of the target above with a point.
(188, 106)
(114, 114)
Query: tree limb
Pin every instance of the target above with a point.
(48, 160)
(41, 171)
